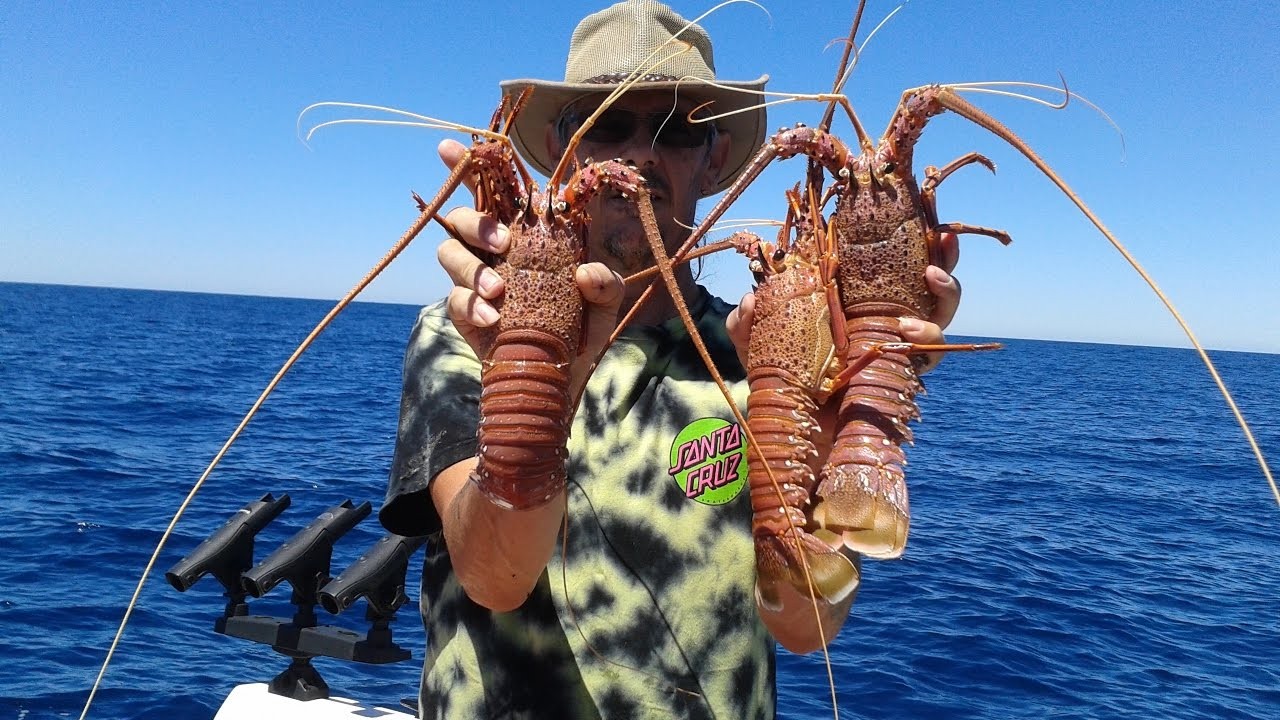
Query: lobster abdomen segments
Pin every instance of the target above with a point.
(863, 492)
(781, 418)
(524, 427)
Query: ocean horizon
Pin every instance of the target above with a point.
(1183, 343)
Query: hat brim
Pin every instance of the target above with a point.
(746, 129)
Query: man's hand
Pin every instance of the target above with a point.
(477, 287)
(945, 287)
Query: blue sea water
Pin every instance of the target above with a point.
(1091, 536)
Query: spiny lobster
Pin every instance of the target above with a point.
(525, 402)
(826, 331)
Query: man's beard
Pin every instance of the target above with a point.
(628, 248)
(624, 240)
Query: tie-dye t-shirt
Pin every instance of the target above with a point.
(649, 612)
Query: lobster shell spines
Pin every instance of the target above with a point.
(883, 247)
(541, 293)
(792, 329)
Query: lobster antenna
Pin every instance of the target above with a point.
(864, 140)
(633, 78)
(568, 155)
(650, 223)
(841, 75)
(735, 224)
(663, 266)
(783, 98)
(404, 123)
(813, 169)
(862, 48)
(418, 120)
(649, 273)
(987, 87)
(969, 111)
(427, 213)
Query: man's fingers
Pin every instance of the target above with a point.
(467, 271)
(948, 252)
(923, 333)
(470, 314)
(947, 291)
(602, 289)
(451, 152)
(474, 228)
(599, 285)
(478, 230)
(738, 324)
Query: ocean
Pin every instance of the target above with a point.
(1091, 536)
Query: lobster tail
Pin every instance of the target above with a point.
(781, 420)
(831, 577)
(863, 493)
(523, 429)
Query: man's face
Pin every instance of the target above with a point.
(677, 177)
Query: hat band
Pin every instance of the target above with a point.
(618, 78)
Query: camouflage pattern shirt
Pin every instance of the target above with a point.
(658, 571)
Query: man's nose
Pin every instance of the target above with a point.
(638, 150)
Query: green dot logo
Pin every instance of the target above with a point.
(707, 461)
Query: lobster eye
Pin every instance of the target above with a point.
(887, 168)
(779, 254)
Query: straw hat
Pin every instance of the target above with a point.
(609, 45)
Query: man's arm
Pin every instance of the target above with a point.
(498, 554)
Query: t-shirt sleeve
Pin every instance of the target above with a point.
(439, 411)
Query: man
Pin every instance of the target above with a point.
(649, 610)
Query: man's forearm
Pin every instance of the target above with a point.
(497, 554)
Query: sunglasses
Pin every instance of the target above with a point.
(670, 130)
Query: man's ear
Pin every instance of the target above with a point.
(717, 157)
(551, 138)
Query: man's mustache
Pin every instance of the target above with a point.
(657, 184)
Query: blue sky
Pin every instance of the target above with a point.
(154, 146)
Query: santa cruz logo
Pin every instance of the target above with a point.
(707, 461)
